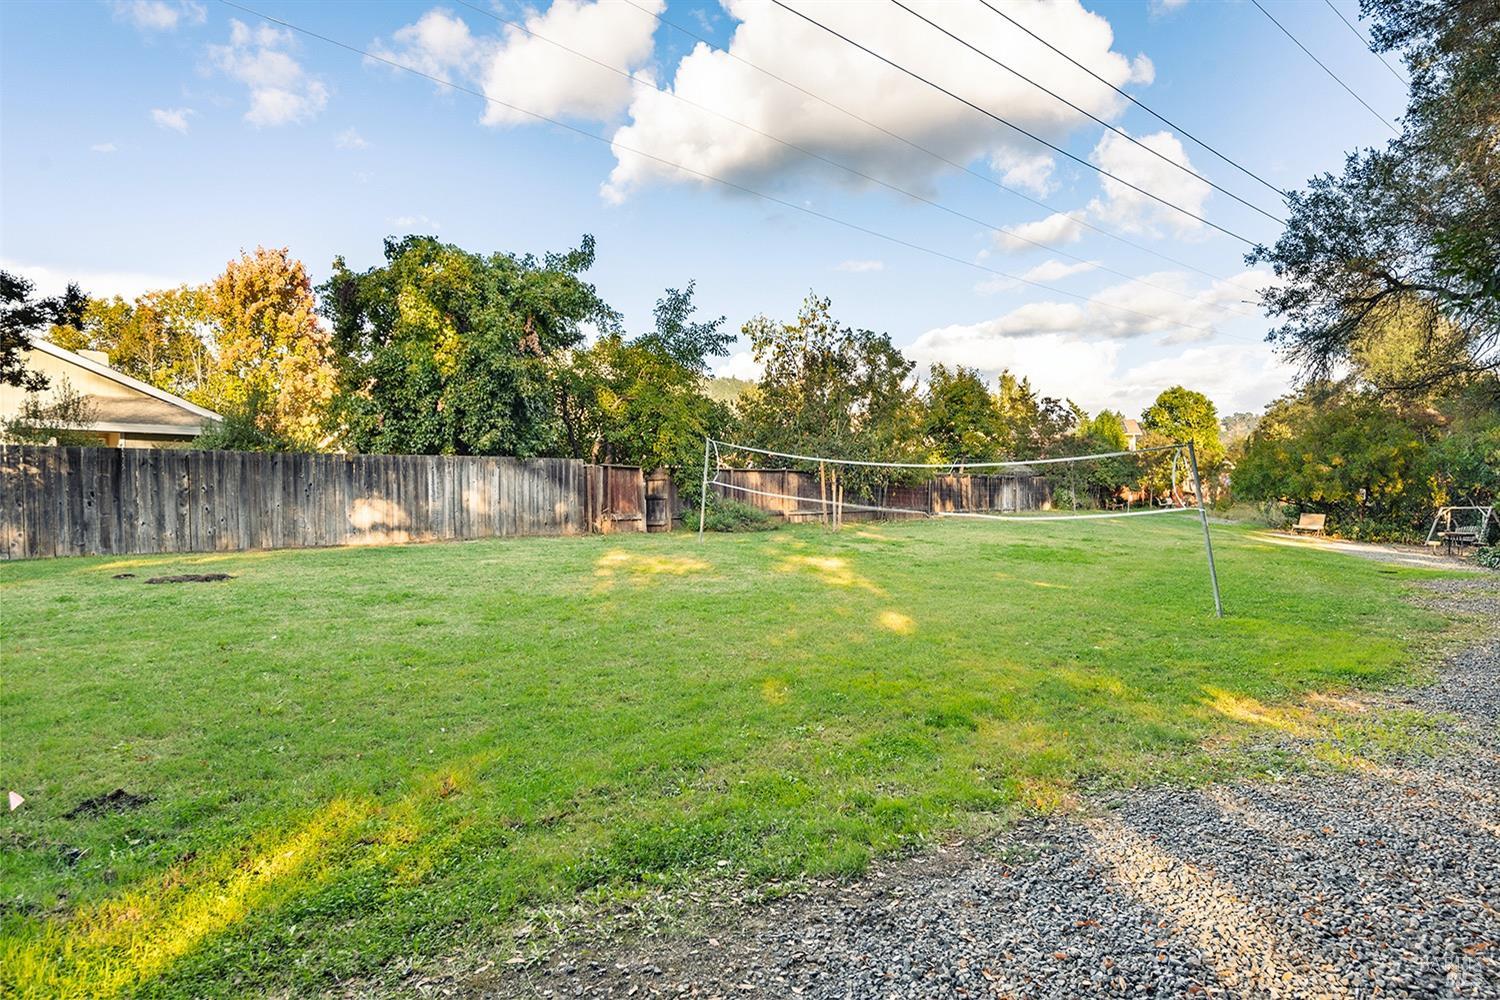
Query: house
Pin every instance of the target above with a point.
(1132, 433)
(128, 413)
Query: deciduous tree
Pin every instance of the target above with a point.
(445, 351)
(960, 417)
(1411, 231)
(268, 346)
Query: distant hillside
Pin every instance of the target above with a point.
(726, 390)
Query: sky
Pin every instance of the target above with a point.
(143, 143)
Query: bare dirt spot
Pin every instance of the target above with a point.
(191, 578)
(118, 800)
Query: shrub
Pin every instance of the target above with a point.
(242, 429)
(1488, 556)
(731, 515)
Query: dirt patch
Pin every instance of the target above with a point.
(191, 578)
(118, 800)
(123, 576)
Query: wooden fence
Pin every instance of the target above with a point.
(116, 501)
(124, 501)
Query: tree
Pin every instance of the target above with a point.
(688, 342)
(268, 346)
(445, 351)
(160, 338)
(21, 316)
(1032, 426)
(828, 388)
(1378, 470)
(1408, 235)
(1107, 431)
(64, 417)
(642, 402)
(1183, 415)
(960, 418)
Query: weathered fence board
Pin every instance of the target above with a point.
(108, 501)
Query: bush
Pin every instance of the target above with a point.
(242, 430)
(731, 515)
(1488, 556)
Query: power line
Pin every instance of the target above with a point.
(1366, 43)
(706, 176)
(1325, 69)
(853, 171)
(1143, 248)
(1030, 135)
(1097, 120)
(1139, 103)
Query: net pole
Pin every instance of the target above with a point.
(703, 497)
(1208, 544)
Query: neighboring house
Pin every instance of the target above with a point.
(128, 413)
(1132, 433)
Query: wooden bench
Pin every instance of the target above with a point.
(1311, 522)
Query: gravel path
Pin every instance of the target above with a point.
(1381, 883)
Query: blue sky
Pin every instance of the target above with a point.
(142, 144)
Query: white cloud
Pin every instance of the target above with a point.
(523, 70)
(860, 266)
(541, 77)
(351, 139)
(100, 284)
(159, 15)
(1056, 270)
(740, 364)
(1059, 227)
(281, 91)
(1135, 212)
(788, 46)
(1076, 349)
(1184, 316)
(175, 119)
(414, 222)
(1096, 376)
(103, 147)
(1031, 171)
(1160, 8)
(438, 44)
(1163, 304)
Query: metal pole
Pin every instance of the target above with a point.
(703, 497)
(1208, 545)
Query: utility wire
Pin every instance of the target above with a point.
(1124, 241)
(1012, 125)
(1366, 43)
(853, 171)
(1139, 103)
(706, 176)
(1088, 114)
(1321, 65)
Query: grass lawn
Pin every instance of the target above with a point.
(356, 756)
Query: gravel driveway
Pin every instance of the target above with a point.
(1380, 883)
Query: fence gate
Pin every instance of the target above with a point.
(618, 498)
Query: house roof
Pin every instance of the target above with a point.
(1132, 427)
(160, 408)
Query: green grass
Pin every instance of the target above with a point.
(360, 756)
